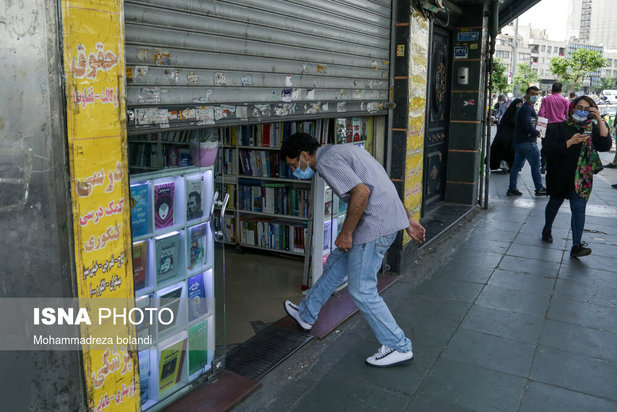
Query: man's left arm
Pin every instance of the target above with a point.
(358, 199)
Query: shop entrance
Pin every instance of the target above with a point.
(436, 136)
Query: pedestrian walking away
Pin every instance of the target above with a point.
(375, 215)
(525, 146)
(555, 109)
(502, 148)
(571, 149)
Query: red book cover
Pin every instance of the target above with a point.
(266, 135)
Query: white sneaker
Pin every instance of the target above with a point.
(386, 356)
(292, 310)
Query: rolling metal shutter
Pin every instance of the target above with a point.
(192, 63)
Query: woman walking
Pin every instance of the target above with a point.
(502, 148)
(571, 148)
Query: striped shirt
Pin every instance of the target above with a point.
(345, 166)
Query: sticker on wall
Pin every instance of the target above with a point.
(288, 82)
(220, 113)
(400, 50)
(276, 94)
(340, 106)
(174, 75)
(295, 94)
(246, 80)
(325, 107)
(278, 110)
(219, 79)
(262, 110)
(473, 46)
(162, 57)
(140, 71)
(286, 95)
(321, 69)
(312, 108)
(149, 95)
(203, 99)
(242, 112)
(310, 94)
(192, 78)
(461, 52)
(470, 102)
(375, 65)
(357, 95)
(205, 114)
(468, 36)
(372, 106)
(187, 114)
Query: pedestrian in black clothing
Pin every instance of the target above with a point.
(502, 148)
(525, 144)
(571, 148)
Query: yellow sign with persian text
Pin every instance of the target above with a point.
(418, 74)
(93, 32)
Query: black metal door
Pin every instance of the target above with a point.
(437, 119)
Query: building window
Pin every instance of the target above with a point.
(543, 48)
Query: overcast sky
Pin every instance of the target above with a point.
(551, 15)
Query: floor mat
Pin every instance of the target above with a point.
(264, 351)
(337, 310)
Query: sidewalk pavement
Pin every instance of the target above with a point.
(499, 321)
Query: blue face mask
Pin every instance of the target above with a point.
(533, 99)
(305, 174)
(580, 116)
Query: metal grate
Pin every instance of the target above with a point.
(264, 351)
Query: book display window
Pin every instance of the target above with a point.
(173, 269)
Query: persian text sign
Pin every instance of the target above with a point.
(94, 68)
(418, 74)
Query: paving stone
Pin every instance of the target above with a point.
(335, 394)
(581, 273)
(595, 293)
(490, 352)
(511, 300)
(516, 326)
(419, 310)
(403, 379)
(579, 339)
(449, 289)
(470, 271)
(471, 387)
(430, 404)
(489, 234)
(522, 281)
(494, 246)
(593, 316)
(576, 372)
(548, 398)
(559, 243)
(592, 262)
(536, 252)
(526, 265)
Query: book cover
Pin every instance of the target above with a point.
(171, 364)
(140, 259)
(163, 205)
(198, 344)
(197, 302)
(172, 156)
(197, 245)
(144, 375)
(143, 328)
(184, 157)
(139, 209)
(167, 256)
(170, 300)
(194, 204)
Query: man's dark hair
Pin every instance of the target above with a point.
(556, 87)
(296, 143)
(572, 95)
(196, 195)
(530, 88)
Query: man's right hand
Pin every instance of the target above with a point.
(416, 231)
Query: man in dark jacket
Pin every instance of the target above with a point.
(525, 146)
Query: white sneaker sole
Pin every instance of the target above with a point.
(291, 315)
(388, 365)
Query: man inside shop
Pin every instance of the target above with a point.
(375, 215)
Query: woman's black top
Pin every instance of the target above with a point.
(562, 160)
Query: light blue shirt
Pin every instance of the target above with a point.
(344, 167)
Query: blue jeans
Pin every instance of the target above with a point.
(361, 264)
(526, 151)
(577, 206)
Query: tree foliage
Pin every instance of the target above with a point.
(579, 64)
(525, 76)
(500, 78)
(607, 83)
